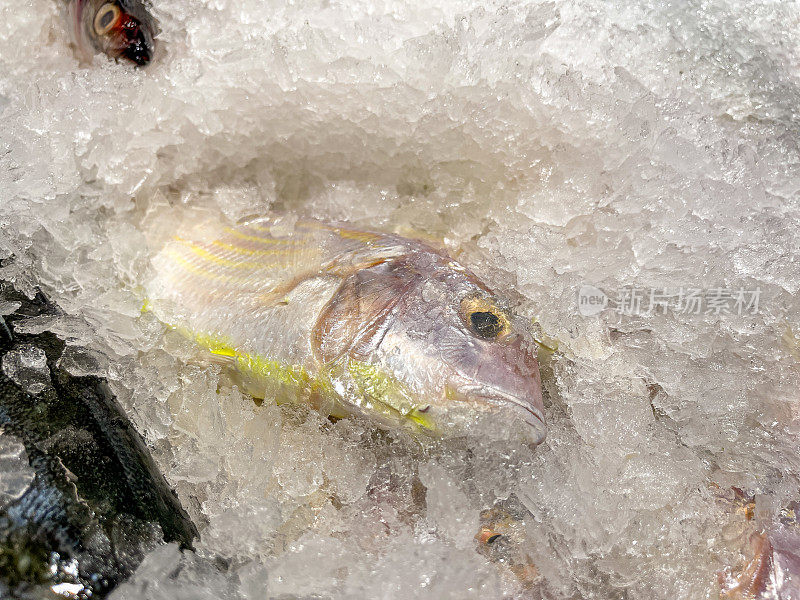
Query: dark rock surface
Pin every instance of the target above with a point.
(96, 503)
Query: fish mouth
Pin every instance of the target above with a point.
(533, 415)
(139, 50)
(527, 412)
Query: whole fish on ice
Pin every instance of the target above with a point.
(354, 322)
(118, 28)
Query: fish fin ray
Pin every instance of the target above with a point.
(354, 319)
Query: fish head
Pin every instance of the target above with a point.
(441, 350)
(477, 367)
(118, 28)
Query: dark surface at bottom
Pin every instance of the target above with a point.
(97, 503)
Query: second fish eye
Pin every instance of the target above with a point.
(106, 18)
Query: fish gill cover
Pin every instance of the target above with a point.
(625, 172)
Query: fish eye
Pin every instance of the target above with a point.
(484, 319)
(106, 18)
(486, 324)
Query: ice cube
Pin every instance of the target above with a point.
(27, 366)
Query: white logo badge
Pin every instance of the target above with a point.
(591, 300)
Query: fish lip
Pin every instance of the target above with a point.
(537, 422)
(533, 417)
(496, 395)
(139, 50)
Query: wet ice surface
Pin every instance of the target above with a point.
(15, 473)
(552, 145)
(27, 367)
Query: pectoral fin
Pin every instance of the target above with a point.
(356, 318)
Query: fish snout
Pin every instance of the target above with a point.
(529, 421)
(497, 414)
(514, 378)
(514, 418)
(139, 49)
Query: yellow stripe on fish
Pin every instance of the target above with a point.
(260, 239)
(250, 251)
(188, 266)
(220, 260)
(355, 322)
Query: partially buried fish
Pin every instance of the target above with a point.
(118, 28)
(354, 322)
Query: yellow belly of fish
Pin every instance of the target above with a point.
(375, 392)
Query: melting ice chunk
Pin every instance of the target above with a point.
(27, 367)
(15, 473)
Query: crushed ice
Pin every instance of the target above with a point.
(27, 367)
(552, 145)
